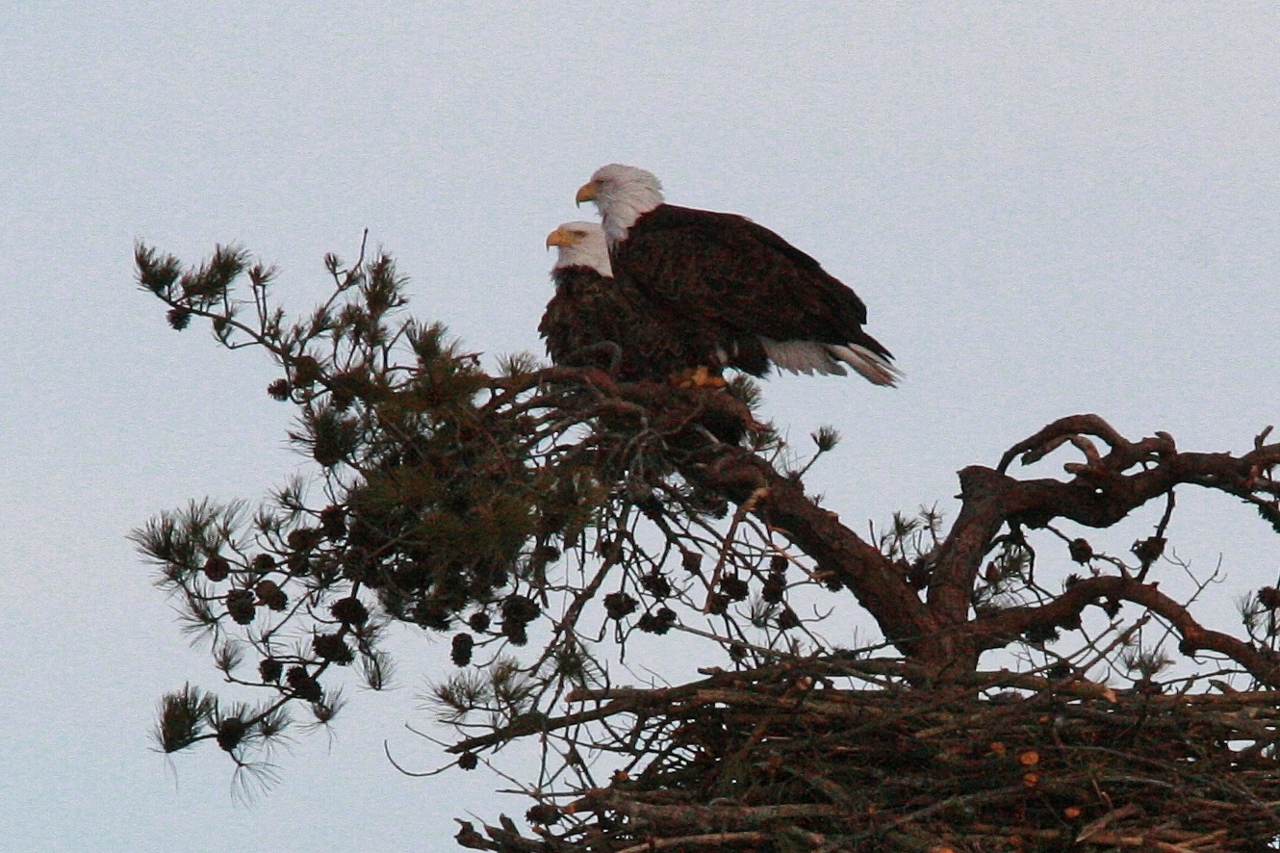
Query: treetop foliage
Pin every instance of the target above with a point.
(544, 518)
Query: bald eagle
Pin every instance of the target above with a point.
(738, 294)
(597, 321)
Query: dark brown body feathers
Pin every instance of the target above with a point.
(590, 311)
(726, 282)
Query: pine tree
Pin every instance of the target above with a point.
(546, 518)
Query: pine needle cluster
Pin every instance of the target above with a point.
(493, 508)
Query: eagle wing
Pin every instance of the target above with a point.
(727, 277)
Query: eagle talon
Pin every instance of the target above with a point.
(699, 377)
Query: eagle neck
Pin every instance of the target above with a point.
(598, 265)
(624, 207)
(618, 225)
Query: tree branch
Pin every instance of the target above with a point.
(1098, 495)
(782, 504)
(998, 629)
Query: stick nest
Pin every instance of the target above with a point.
(824, 756)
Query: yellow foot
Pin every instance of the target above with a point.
(701, 377)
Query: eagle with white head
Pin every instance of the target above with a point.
(595, 320)
(737, 294)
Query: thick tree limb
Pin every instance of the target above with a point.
(1098, 495)
(781, 503)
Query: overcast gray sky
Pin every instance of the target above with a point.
(1048, 209)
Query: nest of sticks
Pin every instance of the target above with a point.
(831, 756)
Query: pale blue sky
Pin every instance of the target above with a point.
(1048, 209)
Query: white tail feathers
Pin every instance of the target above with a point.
(810, 357)
(876, 368)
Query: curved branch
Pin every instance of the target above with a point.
(1000, 628)
(781, 503)
(1098, 495)
(1124, 454)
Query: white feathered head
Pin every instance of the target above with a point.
(581, 244)
(622, 195)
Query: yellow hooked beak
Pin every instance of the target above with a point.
(587, 192)
(560, 237)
